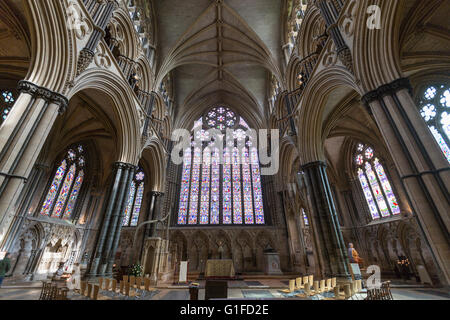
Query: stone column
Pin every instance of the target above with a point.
(111, 223)
(153, 214)
(22, 136)
(329, 243)
(423, 169)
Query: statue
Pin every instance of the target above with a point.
(353, 255)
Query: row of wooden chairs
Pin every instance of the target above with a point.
(51, 291)
(89, 290)
(312, 288)
(382, 293)
(129, 287)
(307, 282)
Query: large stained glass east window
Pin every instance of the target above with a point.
(64, 190)
(434, 104)
(221, 189)
(134, 203)
(375, 184)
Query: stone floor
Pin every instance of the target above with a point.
(251, 289)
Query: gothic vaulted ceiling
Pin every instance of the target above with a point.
(219, 51)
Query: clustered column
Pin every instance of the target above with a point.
(424, 171)
(329, 243)
(22, 136)
(114, 208)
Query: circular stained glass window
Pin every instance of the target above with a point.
(369, 153)
(221, 118)
(359, 159)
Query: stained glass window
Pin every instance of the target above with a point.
(66, 185)
(305, 218)
(134, 203)
(375, 184)
(221, 188)
(434, 105)
(7, 100)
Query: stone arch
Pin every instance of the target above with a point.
(315, 106)
(376, 53)
(128, 113)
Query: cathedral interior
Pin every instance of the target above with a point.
(352, 96)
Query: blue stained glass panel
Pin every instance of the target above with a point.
(127, 213)
(368, 194)
(74, 196)
(52, 193)
(63, 195)
(137, 206)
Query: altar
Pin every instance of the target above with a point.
(219, 269)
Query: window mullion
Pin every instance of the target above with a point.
(375, 200)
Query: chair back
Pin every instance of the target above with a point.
(333, 282)
(127, 289)
(147, 284)
(138, 282)
(305, 279)
(132, 281)
(100, 283)
(329, 285)
(125, 279)
(122, 286)
(89, 290)
(291, 285)
(316, 286)
(307, 289)
(107, 284)
(322, 286)
(347, 291)
(311, 279)
(337, 292)
(83, 286)
(298, 283)
(96, 291)
(114, 285)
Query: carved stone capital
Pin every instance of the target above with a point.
(386, 90)
(44, 93)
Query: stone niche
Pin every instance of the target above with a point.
(155, 260)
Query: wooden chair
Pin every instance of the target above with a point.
(337, 293)
(316, 287)
(147, 284)
(132, 281)
(358, 286)
(334, 282)
(100, 283)
(322, 286)
(125, 279)
(62, 294)
(305, 280)
(96, 291)
(311, 279)
(127, 289)
(347, 291)
(139, 282)
(107, 284)
(45, 292)
(89, 290)
(114, 285)
(291, 287)
(329, 286)
(122, 286)
(298, 283)
(83, 286)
